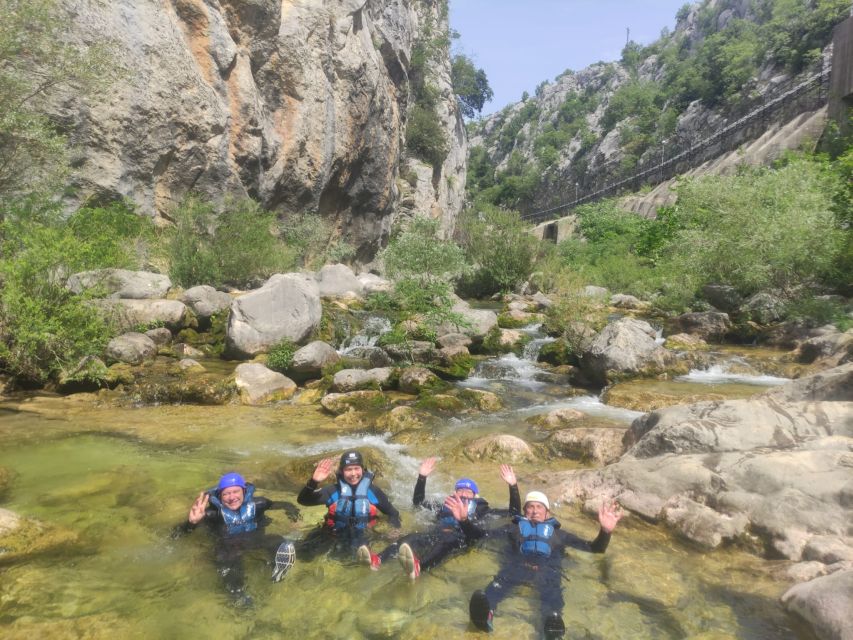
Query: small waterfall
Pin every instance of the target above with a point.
(374, 327)
(522, 370)
(720, 374)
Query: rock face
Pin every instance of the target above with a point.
(287, 306)
(302, 106)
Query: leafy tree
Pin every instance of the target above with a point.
(470, 85)
(35, 61)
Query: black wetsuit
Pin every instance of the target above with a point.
(344, 540)
(229, 548)
(541, 572)
(447, 537)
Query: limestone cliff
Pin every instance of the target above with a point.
(300, 104)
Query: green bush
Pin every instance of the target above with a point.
(425, 137)
(280, 357)
(235, 247)
(498, 243)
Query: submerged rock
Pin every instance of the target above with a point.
(624, 395)
(558, 418)
(368, 399)
(22, 538)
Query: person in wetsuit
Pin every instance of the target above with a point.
(535, 559)
(422, 551)
(235, 514)
(353, 505)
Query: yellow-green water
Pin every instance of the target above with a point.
(120, 479)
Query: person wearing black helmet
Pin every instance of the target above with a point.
(235, 515)
(353, 505)
(422, 551)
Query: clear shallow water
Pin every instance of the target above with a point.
(119, 479)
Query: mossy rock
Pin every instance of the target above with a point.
(558, 353)
(401, 419)
(337, 323)
(492, 344)
(23, 538)
(90, 374)
(440, 402)
(506, 321)
(364, 400)
(7, 477)
(481, 400)
(458, 368)
(184, 390)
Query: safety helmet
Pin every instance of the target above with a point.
(466, 483)
(231, 480)
(537, 496)
(351, 457)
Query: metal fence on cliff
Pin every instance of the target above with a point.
(748, 122)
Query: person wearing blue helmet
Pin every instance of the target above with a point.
(236, 516)
(422, 551)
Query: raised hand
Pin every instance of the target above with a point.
(323, 469)
(457, 507)
(427, 466)
(199, 506)
(609, 514)
(508, 475)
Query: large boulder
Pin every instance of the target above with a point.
(723, 297)
(596, 445)
(258, 385)
(308, 362)
(132, 348)
(825, 604)
(413, 379)
(205, 301)
(709, 325)
(763, 308)
(371, 283)
(625, 347)
(121, 283)
(130, 314)
(287, 306)
(335, 280)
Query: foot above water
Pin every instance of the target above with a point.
(285, 556)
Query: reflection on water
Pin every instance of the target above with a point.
(120, 479)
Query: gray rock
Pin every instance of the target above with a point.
(120, 283)
(371, 283)
(186, 350)
(597, 445)
(340, 403)
(829, 549)
(763, 308)
(205, 301)
(481, 321)
(161, 336)
(129, 314)
(356, 379)
(412, 351)
(132, 348)
(372, 356)
(188, 364)
(258, 384)
(591, 291)
(287, 306)
(833, 384)
(837, 345)
(454, 340)
(709, 325)
(413, 379)
(723, 297)
(626, 346)
(499, 447)
(542, 301)
(702, 524)
(335, 280)
(825, 604)
(310, 359)
(623, 301)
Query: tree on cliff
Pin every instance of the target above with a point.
(470, 85)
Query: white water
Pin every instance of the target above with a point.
(718, 374)
(589, 405)
(374, 327)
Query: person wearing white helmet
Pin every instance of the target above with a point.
(535, 558)
(233, 512)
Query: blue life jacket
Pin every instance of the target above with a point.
(348, 508)
(536, 538)
(446, 518)
(242, 520)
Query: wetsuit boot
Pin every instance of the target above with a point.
(284, 558)
(554, 626)
(480, 611)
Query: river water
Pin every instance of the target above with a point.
(114, 481)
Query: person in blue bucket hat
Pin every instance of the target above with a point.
(422, 551)
(233, 513)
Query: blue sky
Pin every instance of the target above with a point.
(520, 43)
